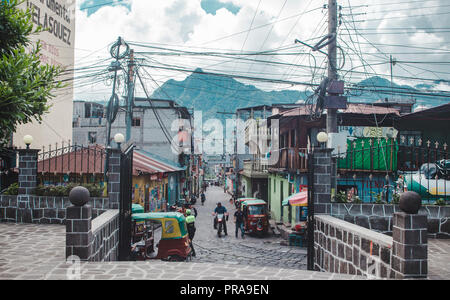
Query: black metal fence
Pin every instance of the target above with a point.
(71, 164)
(379, 170)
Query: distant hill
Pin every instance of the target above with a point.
(213, 94)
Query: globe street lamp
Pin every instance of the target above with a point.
(119, 139)
(322, 137)
(28, 139)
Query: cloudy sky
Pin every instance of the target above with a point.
(173, 37)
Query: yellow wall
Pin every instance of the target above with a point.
(139, 192)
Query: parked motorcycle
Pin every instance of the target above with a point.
(193, 199)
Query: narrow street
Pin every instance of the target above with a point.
(252, 250)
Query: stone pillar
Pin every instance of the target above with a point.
(322, 181)
(79, 236)
(410, 245)
(27, 171)
(114, 177)
(27, 183)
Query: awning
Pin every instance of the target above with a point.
(144, 162)
(299, 199)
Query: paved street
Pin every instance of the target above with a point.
(253, 251)
(31, 251)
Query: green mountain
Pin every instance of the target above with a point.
(212, 93)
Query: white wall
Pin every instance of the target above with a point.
(57, 124)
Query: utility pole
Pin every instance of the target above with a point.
(332, 62)
(392, 61)
(130, 98)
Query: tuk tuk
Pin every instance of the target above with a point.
(174, 242)
(136, 208)
(239, 201)
(256, 219)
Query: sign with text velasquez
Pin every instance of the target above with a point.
(57, 18)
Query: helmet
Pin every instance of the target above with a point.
(188, 212)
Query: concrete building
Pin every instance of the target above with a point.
(57, 49)
(89, 126)
(148, 123)
(89, 123)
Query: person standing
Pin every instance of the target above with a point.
(239, 220)
(190, 222)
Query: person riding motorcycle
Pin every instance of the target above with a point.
(221, 210)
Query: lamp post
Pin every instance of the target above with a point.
(28, 139)
(322, 138)
(119, 139)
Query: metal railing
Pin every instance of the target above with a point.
(292, 159)
(381, 171)
(71, 163)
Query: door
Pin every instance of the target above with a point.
(281, 200)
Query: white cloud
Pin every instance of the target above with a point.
(184, 24)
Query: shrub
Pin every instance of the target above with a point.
(13, 189)
(341, 197)
(357, 200)
(441, 202)
(395, 198)
(64, 191)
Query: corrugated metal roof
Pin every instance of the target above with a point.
(144, 162)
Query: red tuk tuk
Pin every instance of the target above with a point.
(256, 219)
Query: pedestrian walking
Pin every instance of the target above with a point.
(239, 220)
(190, 222)
(203, 198)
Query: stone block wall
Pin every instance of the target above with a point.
(345, 248)
(322, 180)
(379, 217)
(114, 177)
(27, 170)
(105, 231)
(92, 240)
(42, 209)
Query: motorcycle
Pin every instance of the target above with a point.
(219, 223)
(220, 220)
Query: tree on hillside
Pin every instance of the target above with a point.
(25, 83)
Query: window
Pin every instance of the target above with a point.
(136, 122)
(92, 137)
(87, 110)
(169, 227)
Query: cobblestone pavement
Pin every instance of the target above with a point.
(439, 259)
(252, 250)
(31, 251)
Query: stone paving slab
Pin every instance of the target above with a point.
(31, 251)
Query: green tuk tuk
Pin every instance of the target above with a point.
(174, 242)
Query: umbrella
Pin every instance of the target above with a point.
(299, 199)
